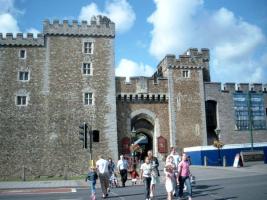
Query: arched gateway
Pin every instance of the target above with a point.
(144, 126)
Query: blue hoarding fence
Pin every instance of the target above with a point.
(198, 154)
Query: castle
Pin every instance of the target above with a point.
(51, 84)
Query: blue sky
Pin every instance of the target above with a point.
(235, 31)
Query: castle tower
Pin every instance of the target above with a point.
(49, 86)
(186, 76)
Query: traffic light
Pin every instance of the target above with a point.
(83, 134)
(95, 135)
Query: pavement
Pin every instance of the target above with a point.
(200, 172)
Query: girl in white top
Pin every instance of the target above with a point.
(169, 171)
(146, 169)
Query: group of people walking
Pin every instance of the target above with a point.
(177, 175)
(105, 171)
(176, 170)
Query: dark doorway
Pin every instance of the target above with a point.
(142, 135)
(211, 120)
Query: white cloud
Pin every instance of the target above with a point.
(119, 11)
(171, 32)
(8, 24)
(89, 10)
(8, 18)
(234, 43)
(8, 13)
(128, 68)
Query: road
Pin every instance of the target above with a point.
(243, 188)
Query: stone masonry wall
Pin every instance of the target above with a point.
(22, 130)
(43, 137)
(226, 113)
(186, 99)
(188, 108)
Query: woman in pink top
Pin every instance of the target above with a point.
(184, 174)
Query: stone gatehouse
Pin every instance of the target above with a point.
(51, 84)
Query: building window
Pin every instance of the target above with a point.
(88, 47)
(249, 108)
(88, 98)
(22, 54)
(23, 76)
(185, 73)
(21, 100)
(87, 69)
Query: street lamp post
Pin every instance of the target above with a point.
(218, 144)
(250, 120)
(133, 134)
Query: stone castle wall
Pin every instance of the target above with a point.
(186, 95)
(142, 94)
(21, 128)
(43, 137)
(223, 95)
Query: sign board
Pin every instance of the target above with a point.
(238, 161)
(252, 156)
(126, 145)
(162, 145)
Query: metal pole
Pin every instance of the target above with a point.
(85, 135)
(220, 158)
(250, 120)
(91, 142)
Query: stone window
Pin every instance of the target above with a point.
(21, 100)
(87, 69)
(249, 109)
(186, 73)
(22, 53)
(23, 75)
(88, 47)
(88, 98)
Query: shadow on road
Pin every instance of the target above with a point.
(226, 198)
(205, 190)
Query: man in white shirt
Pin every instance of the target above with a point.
(102, 166)
(122, 165)
(175, 156)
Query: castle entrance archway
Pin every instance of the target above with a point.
(143, 133)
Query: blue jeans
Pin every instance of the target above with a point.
(92, 186)
(147, 181)
(175, 186)
(184, 180)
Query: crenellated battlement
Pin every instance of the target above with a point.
(237, 87)
(191, 59)
(141, 89)
(98, 26)
(150, 97)
(141, 85)
(20, 40)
